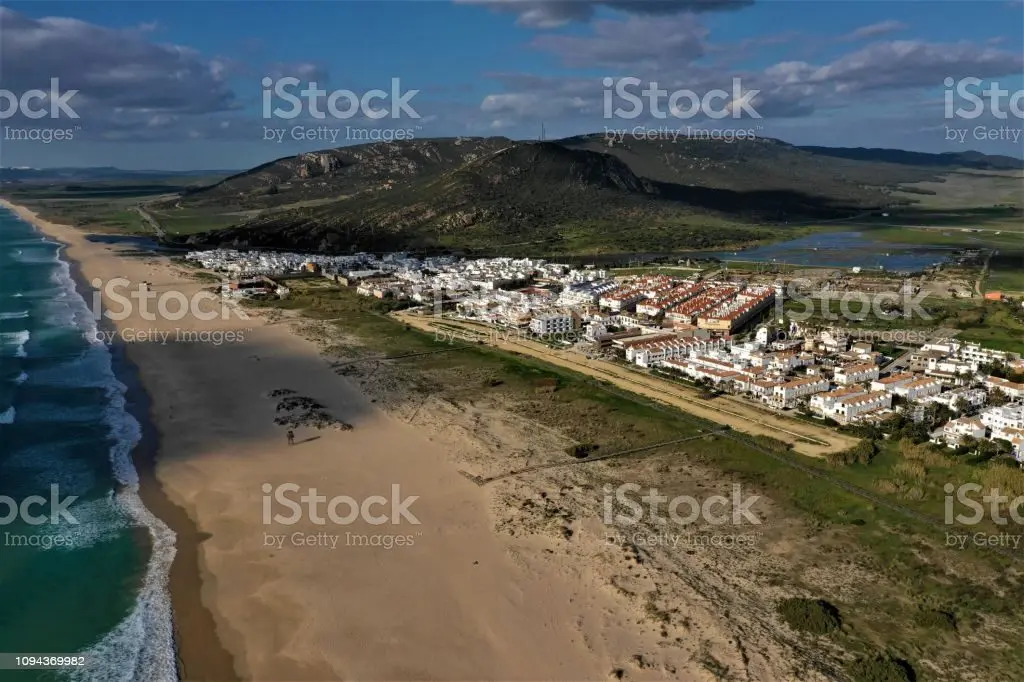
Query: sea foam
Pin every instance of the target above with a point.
(16, 340)
(140, 647)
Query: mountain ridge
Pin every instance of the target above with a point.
(575, 192)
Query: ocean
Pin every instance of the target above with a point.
(94, 580)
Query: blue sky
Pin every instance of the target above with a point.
(177, 85)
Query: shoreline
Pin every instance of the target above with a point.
(199, 652)
(481, 576)
(290, 601)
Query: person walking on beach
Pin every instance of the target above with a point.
(291, 437)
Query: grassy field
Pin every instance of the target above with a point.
(913, 570)
(1010, 238)
(186, 222)
(101, 207)
(995, 325)
(967, 189)
(1006, 271)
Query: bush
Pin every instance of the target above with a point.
(815, 616)
(924, 453)
(881, 668)
(772, 444)
(581, 451)
(935, 619)
(861, 453)
(909, 470)
(1009, 480)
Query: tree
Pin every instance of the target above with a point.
(997, 398)
(987, 449)
(967, 445)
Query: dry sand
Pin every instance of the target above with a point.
(514, 581)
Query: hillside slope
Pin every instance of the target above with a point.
(581, 193)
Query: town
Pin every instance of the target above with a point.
(724, 333)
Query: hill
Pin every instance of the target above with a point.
(583, 193)
(949, 160)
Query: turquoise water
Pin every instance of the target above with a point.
(94, 583)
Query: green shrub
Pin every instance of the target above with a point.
(881, 668)
(772, 444)
(815, 616)
(861, 453)
(582, 450)
(935, 619)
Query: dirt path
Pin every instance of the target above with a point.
(807, 439)
(984, 273)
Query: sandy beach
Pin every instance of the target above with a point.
(462, 588)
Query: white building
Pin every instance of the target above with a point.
(856, 374)
(786, 394)
(963, 397)
(852, 407)
(973, 352)
(955, 430)
(1009, 416)
(648, 354)
(621, 299)
(716, 376)
(1013, 390)
(552, 323)
(891, 383)
(919, 389)
(824, 403)
(855, 407)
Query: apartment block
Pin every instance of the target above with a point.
(1009, 416)
(825, 403)
(671, 298)
(650, 353)
(731, 314)
(962, 397)
(1014, 390)
(853, 408)
(786, 394)
(919, 389)
(552, 323)
(690, 310)
(846, 375)
(956, 430)
(891, 383)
